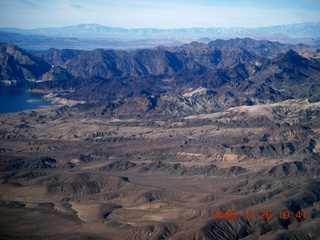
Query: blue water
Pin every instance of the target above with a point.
(14, 98)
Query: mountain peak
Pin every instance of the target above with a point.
(90, 25)
(290, 56)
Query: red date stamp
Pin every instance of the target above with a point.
(262, 214)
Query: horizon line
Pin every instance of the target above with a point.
(97, 24)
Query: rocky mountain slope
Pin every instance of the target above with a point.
(195, 77)
(17, 64)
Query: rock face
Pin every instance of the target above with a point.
(193, 78)
(177, 81)
(195, 56)
(17, 64)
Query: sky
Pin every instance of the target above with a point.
(167, 14)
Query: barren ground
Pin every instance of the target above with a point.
(67, 174)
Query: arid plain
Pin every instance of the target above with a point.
(199, 141)
(68, 175)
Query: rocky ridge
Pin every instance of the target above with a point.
(196, 77)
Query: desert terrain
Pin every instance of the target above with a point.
(69, 175)
(199, 141)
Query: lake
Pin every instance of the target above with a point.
(15, 98)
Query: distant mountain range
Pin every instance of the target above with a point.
(87, 31)
(90, 36)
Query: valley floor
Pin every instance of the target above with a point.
(250, 172)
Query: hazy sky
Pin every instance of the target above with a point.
(157, 13)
